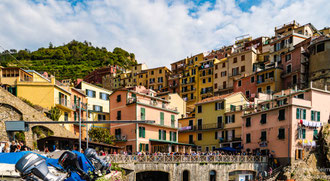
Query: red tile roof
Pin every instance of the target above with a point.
(216, 98)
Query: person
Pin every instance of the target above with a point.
(46, 150)
(13, 147)
(6, 148)
(23, 147)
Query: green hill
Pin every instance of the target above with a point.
(70, 61)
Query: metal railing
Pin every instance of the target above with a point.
(185, 159)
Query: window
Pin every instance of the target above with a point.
(248, 138)
(294, 79)
(216, 67)
(162, 134)
(263, 119)
(209, 79)
(235, 60)
(281, 133)
(281, 114)
(199, 109)
(160, 79)
(152, 72)
(242, 57)
(263, 136)
(66, 116)
(97, 108)
(303, 132)
(199, 136)
(216, 135)
(220, 122)
(160, 71)
(235, 71)
(230, 119)
(259, 90)
(204, 81)
(315, 133)
(161, 118)
(118, 134)
(215, 86)
(315, 115)
(143, 113)
(239, 83)
(247, 94)
(101, 117)
(300, 96)
(287, 57)
(172, 136)
(142, 132)
(172, 121)
(206, 148)
(288, 68)
(104, 96)
(223, 73)
(191, 139)
(301, 113)
(90, 93)
(223, 65)
(242, 68)
(215, 75)
(219, 105)
(248, 122)
(118, 98)
(213, 175)
(320, 48)
(199, 124)
(118, 115)
(252, 79)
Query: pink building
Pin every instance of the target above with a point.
(287, 125)
(78, 98)
(140, 103)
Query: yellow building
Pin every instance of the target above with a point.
(269, 80)
(9, 77)
(205, 81)
(47, 93)
(128, 77)
(189, 85)
(187, 130)
(175, 101)
(158, 78)
(214, 120)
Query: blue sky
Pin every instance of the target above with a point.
(157, 31)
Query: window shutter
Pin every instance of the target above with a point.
(143, 132)
(140, 146)
(226, 121)
(175, 136)
(75, 116)
(170, 135)
(143, 113)
(159, 134)
(233, 118)
(94, 94)
(298, 113)
(164, 135)
(59, 98)
(147, 147)
(303, 133)
(216, 106)
(318, 116)
(304, 114)
(161, 118)
(75, 99)
(140, 132)
(312, 115)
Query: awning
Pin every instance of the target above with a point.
(228, 149)
(170, 142)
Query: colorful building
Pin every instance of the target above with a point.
(96, 76)
(9, 76)
(269, 80)
(176, 101)
(286, 125)
(187, 130)
(142, 104)
(247, 85)
(79, 100)
(98, 102)
(217, 119)
(205, 81)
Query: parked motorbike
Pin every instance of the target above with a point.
(99, 164)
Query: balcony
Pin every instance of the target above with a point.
(206, 66)
(207, 90)
(64, 104)
(190, 90)
(267, 81)
(230, 139)
(188, 82)
(210, 126)
(120, 138)
(230, 75)
(187, 128)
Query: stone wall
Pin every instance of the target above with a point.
(14, 109)
(197, 171)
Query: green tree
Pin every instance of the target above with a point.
(101, 135)
(55, 113)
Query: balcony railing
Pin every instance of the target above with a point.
(269, 80)
(65, 102)
(210, 126)
(120, 137)
(118, 158)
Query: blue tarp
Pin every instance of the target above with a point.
(12, 158)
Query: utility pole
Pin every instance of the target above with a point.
(86, 128)
(79, 126)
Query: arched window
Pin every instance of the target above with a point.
(213, 175)
(185, 175)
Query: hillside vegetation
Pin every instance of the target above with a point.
(70, 61)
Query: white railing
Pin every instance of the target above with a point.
(184, 159)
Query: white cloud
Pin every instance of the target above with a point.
(158, 32)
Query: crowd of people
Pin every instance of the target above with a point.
(13, 146)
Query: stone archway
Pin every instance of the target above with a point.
(8, 113)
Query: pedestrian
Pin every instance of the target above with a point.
(6, 148)
(13, 147)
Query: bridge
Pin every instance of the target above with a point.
(189, 167)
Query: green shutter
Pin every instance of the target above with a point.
(304, 114)
(298, 113)
(164, 135)
(140, 132)
(159, 134)
(161, 118)
(315, 132)
(304, 133)
(175, 136)
(312, 115)
(140, 146)
(147, 147)
(59, 97)
(75, 116)
(75, 99)
(172, 121)
(318, 116)
(143, 113)
(143, 132)
(170, 135)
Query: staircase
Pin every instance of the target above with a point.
(275, 173)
